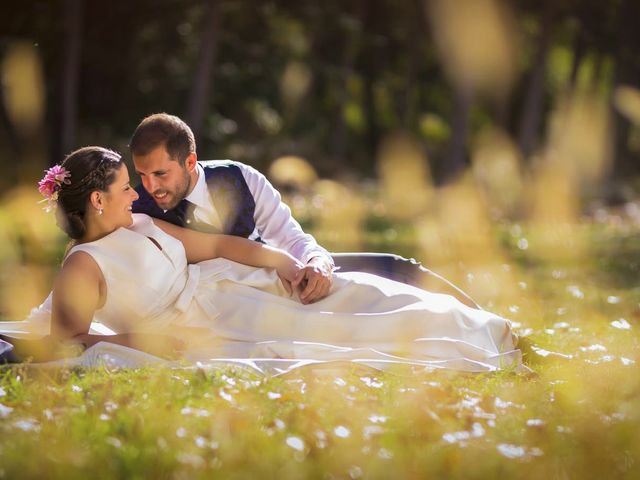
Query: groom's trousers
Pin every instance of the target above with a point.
(400, 269)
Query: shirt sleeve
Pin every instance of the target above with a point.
(274, 221)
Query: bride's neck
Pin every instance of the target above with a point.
(95, 231)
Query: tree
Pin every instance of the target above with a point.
(203, 75)
(70, 72)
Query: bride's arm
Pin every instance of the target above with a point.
(77, 293)
(204, 246)
(76, 296)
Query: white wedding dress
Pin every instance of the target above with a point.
(243, 314)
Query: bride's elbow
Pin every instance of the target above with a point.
(66, 329)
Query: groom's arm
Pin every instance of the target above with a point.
(278, 228)
(274, 220)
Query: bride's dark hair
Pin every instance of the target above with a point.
(91, 169)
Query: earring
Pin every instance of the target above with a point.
(100, 211)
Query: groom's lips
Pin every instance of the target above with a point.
(161, 197)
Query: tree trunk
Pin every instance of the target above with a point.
(8, 130)
(369, 107)
(202, 81)
(407, 105)
(627, 72)
(339, 143)
(598, 67)
(70, 73)
(350, 50)
(533, 103)
(456, 159)
(368, 16)
(579, 51)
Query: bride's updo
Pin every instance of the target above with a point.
(91, 169)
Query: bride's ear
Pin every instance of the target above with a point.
(96, 199)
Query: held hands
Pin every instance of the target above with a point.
(288, 271)
(314, 279)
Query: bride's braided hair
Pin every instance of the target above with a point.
(91, 169)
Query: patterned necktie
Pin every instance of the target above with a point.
(184, 211)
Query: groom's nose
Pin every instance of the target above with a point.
(149, 184)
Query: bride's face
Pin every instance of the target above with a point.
(118, 200)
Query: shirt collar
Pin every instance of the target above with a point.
(199, 196)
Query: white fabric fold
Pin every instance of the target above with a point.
(186, 296)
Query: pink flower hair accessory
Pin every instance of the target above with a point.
(51, 184)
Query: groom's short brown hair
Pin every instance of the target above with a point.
(163, 129)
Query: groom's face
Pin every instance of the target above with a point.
(166, 180)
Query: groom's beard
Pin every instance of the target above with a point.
(173, 198)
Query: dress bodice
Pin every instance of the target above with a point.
(145, 271)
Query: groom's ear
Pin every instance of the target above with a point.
(191, 161)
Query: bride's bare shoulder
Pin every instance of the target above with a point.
(81, 264)
(80, 280)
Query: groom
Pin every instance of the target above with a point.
(220, 196)
(223, 196)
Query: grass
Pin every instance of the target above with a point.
(577, 416)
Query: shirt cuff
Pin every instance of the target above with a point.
(324, 256)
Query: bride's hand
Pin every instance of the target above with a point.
(288, 271)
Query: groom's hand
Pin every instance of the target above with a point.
(315, 280)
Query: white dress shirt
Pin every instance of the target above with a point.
(274, 223)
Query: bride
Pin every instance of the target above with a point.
(141, 283)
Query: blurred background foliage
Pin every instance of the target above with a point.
(407, 126)
(324, 80)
